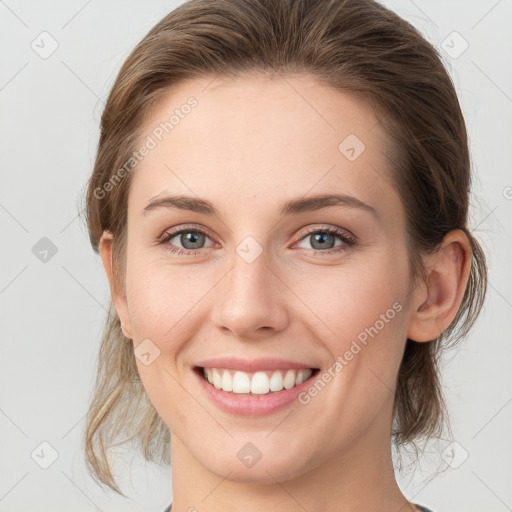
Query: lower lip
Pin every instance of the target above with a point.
(252, 405)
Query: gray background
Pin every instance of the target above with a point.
(52, 312)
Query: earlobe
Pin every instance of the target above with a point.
(118, 298)
(436, 302)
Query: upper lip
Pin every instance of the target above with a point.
(253, 365)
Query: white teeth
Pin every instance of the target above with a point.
(258, 383)
(216, 378)
(276, 382)
(241, 383)
(227, 381)
(303, 375)
(289, 379)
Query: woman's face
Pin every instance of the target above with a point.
(252, 283)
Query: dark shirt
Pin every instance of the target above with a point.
(419, 507)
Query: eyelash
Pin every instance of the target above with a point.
(348, 241)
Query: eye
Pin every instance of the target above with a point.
(191, 240)
(323, 239)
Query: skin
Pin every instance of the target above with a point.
(251, 144)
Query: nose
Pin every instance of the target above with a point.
(250, 300)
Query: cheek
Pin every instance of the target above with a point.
(360, 316)
(348, 300)
(163, 305)
(363, 325)
(162, 299)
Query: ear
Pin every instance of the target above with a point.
(436, 302)
(118, 297)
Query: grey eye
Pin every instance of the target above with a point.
(322, 240)
(189, 239)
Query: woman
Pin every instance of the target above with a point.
(280, 202)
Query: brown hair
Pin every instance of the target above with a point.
(355, 46)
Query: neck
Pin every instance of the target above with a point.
(360, 478)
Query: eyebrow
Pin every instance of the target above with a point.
(292, 207)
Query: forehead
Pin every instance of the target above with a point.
(258, 136)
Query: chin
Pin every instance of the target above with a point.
(249, 464)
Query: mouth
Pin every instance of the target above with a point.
(267, 382)
(252, 387)
(249, 394)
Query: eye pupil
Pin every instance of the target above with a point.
(191, 237)
(322, 238)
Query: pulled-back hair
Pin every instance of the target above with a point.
(354, 46)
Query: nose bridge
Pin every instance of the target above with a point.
(249, 297)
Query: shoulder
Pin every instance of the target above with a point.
(419, 507)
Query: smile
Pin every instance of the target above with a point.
(252, 387)
(256, 383)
